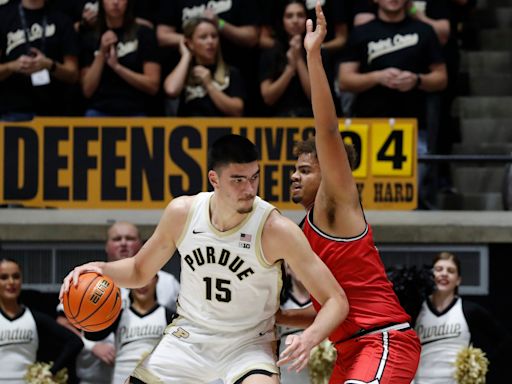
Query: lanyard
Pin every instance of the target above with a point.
(24, 25)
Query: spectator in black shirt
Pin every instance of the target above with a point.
(284, 78)
(35, 67)
(207, 86)
(120, 64)
(237, 22)
(392, 63)
(433, 12)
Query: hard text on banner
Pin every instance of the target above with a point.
(142, 163)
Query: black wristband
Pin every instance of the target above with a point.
(418, 81)
(53, 67)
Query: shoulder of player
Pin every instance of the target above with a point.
(174, 217)
(180, 205)
(277, 226)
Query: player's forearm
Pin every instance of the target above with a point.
(124, 273)
(333, 312)
(299, 318)
(321, 98)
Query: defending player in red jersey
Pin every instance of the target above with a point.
(375, 343)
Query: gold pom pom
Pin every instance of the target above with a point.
(321, 362)
(471, 366)
(39, 373)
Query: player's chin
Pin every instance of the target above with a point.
(243, 210)
(297, 198)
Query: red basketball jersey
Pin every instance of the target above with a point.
(356, 264)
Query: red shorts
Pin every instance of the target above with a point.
(389, 357)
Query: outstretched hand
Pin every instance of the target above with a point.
(314, 38)
(296, 353)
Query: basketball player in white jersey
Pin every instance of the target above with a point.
(232, 244)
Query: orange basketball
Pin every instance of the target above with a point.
(94, 303)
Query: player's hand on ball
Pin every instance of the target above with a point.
(72, 277)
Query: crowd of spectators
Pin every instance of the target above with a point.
(149, 58)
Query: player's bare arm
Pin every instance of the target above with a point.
(298, 318)
(133, 272)
(283, 239)
(337, 191)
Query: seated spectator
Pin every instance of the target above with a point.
(433, 12)
(120, 63)
(207, 86)
(336, 12)
(237, 25)
(36, 68)
(338, 15)
(28, 334)
(284, 78)
(391, 64)
(137, 330)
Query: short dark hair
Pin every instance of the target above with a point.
(231, 149)
(309, 146)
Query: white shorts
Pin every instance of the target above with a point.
(192, 354)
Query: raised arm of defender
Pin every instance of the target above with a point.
(337, 184)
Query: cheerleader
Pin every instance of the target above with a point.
(27, 334)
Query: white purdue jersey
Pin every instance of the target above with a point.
(226, 282)
(18, 346)
(136, 335)
(442, 336)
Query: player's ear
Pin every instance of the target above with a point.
(213, 177)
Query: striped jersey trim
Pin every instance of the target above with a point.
(309, 218)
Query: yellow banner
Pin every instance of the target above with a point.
(142, 163)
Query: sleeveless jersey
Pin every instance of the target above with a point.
(356, 264)
(226, 282)
(136, 336)
(19, 342)
(442, 336)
